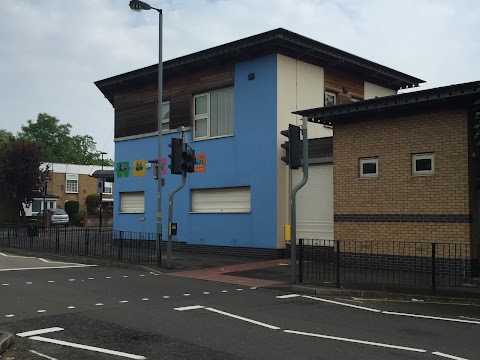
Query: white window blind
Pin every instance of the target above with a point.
(221, 200)
(132, 202)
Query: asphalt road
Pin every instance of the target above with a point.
(62, 312)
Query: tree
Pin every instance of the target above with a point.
(57, 143)
(20, 174)
(5, 137)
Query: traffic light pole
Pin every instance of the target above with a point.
(170, 207)
(293, 202)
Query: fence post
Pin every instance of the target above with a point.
(87, 240)
(434, 270)
(120, 247)
(57, 241)
(338, 263)
(300, 261)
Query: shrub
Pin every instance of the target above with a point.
(77, 219)
(108, 211)
(93, 202)
(72, 207)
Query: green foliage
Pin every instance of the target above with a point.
(57, 143)
(5, 137)
(20, 174)
(77, 219)
(108, 212)
(72, 207)
(93, 203)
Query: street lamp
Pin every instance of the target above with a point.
(101, 198)
(136, 5)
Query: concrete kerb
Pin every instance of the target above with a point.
(6, 341)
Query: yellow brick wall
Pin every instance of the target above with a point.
(396, 191)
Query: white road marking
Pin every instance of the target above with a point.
(29, 283)
(243, 319)
(469, 318)
(142, 275)
(39, 331)
(355, 341)
(15, 256)
(288, 296)
(87, 347)
(49, 267)
(253, 288)
(108, 277)
(71, 279)
(71, 307)
(340, 303)
(41, 311)
(99, 304)
(206, 293)
(125, 276)
(42, 355)
(90, 278)
(448, 356)
(5, 284)
(166, 297)
(123, 301)
(51, 281)
(431, 317)
(9, 315)
(186, 308)
(355, 301)
(145, 299)
(239, 289)
(224, 291)
(186, 294)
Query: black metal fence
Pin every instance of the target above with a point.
(124, 246)
(371, 263)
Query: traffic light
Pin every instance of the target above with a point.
(176, 156)
(188, 159)
(293, 147)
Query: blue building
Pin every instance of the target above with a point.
(234, 100)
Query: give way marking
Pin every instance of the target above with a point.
(33, 335)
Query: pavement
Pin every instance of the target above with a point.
(262, 273)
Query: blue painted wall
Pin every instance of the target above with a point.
(245, 159)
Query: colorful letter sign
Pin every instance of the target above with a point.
(139, 168)
(200, 163)
(123, 169)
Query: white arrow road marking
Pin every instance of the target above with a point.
(340, 303)
(288, 296)
(448, 356)
(355, 341)
(39, 331)
(87, 347)
(42, 355)
(431, 317)
(186, 308)
(243, 319)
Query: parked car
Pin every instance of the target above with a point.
(57, 216)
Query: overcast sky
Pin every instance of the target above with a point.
(52, 51)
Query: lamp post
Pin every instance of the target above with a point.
(101, 198)
(136, 5)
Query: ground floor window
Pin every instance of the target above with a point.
(132, 202)
(221, 200)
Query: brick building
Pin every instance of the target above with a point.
(406, 168)
(70, 182)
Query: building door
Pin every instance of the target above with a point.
(315, 203)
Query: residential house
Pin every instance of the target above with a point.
(234, 100)
(68, 182)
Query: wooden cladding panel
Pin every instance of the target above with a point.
(336, 80)
(320, 147)
(136, 108)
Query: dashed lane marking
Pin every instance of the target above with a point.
(187, 308)
(340, 303)
(288, 296)
(42, 355)
(41, 311)
(448, 356)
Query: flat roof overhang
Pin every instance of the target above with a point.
(458, 95)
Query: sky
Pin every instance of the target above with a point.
(52, 51)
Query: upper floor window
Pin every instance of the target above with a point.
(423, 164)
(72, 183)
(166, 115)
(330, 98)
(107, 187)
(368, 167)
(213, 114)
